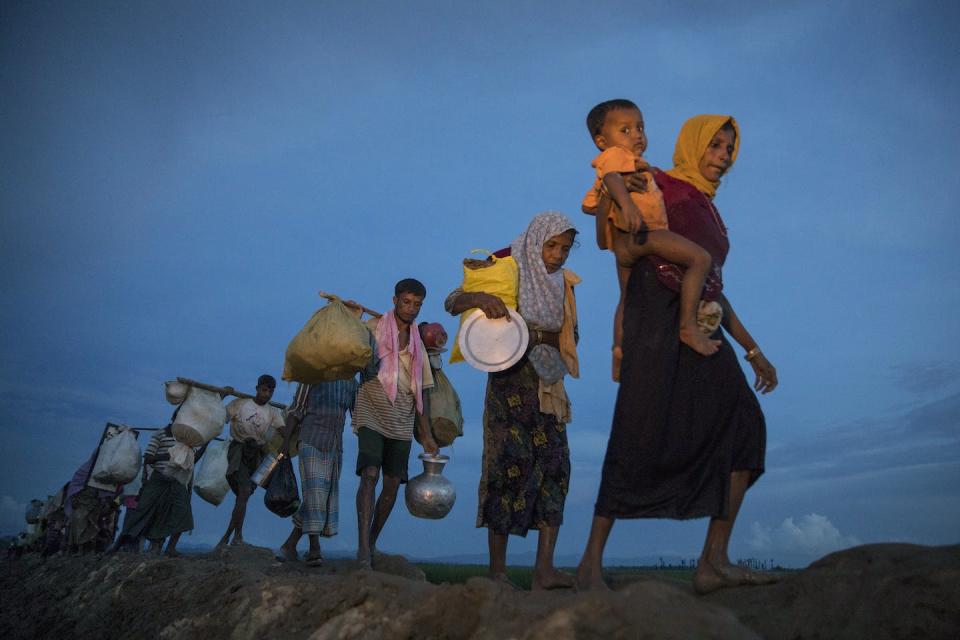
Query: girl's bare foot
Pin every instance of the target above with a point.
(590, 579)
(700, 343)
(552, 579)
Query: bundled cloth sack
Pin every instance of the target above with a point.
(211, 480)
(446, 417)
(181, 456)
(175, 391)
(282, 496)
(118, 461)
(333, 345)
(497, 276)
(200, 418)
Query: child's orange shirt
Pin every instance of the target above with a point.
(650, 202)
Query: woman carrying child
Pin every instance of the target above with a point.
(688, 435)
(526, 460)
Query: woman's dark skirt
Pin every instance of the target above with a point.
(163, 510)
(526, 460)
(683, 422)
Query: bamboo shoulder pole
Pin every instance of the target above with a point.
(226, 391)
(367, 310)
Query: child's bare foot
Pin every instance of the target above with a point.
(552, 579)
(700, 343)
(617, 360)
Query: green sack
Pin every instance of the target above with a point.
(333, 345)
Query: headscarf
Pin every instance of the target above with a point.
(695, 136)
(388, 351)
(540, 300)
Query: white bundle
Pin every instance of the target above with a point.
(211, 480)
(200, 418)
(175, 391)
(119, 459)
(181, 456)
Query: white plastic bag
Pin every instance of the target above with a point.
(211, 480)
(119, 459)
(200, 418)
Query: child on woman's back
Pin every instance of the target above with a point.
(616, 127)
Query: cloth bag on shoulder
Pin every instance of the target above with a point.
(497, 276)
(211, 480)
(333, 345)
(446, 417)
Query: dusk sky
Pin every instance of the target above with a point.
(179, 179)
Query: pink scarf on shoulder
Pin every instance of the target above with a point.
(388, 352)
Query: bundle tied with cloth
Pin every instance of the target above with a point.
(332, 345)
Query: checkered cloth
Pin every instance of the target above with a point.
(319, 512)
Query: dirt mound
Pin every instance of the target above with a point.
(244, 593)
(876, 591)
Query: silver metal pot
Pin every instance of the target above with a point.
(261, 477)
(430, 495)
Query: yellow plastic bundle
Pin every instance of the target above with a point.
(497, 276)
(333, 345)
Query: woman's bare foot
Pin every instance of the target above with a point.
(238, 542)
(617, 361)
(700, 343)
(552, 579)
(590, 579)
(501, 578)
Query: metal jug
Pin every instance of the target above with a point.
(430, 495)
(261, 477)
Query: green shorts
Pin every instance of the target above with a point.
(377, 450)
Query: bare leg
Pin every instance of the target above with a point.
(697, 262)
(545, 575)
(240, 512)
(365, 495)
(172, 546)
(590, 571)
(289, 547)
(313, 553)
(497, 548)
(156, 546)
(714, 569)
(388, 497)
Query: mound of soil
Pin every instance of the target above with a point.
(246, 594)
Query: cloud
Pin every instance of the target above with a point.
(812, 536)
(11, 515)
(923, 377)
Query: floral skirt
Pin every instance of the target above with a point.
(526, 460)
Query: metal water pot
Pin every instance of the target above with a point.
(261, 477)
(430, 495)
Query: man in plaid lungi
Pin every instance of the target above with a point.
(316, 417)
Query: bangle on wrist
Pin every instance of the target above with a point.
(753, 353)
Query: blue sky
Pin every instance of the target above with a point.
(179, 179)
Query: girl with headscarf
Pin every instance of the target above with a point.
(526, 460)
(688, 435)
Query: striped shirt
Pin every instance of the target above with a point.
(374, 410)
(160, 444)
(322, 410)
